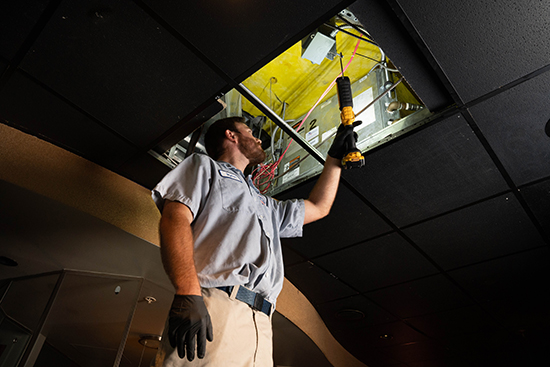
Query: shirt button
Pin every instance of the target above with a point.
(267, 234)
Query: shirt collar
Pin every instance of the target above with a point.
(231, 167)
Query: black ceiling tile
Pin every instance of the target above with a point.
(451, 361)
(422, 351)
(378, 263)
(430, 172)
(521, 311)
(519, 275)
(461, 321)
(316, 284)
(379, 336)
(366, 353)
(291, 257)
(144, 169)
(538, 199)
(350, 221)
(492, 228)
(3, 66)
(113, 61)
(477, 43)
(352, 313)
(237, 36)
(504, 348)
(514, 124)
(380, 21)
(17, 18)
(60, 123)
(420, 297)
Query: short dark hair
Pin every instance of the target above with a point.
(214, 137)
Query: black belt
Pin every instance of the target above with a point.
(254, 300)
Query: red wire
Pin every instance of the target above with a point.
(267, 171)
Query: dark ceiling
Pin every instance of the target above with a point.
(441, 241)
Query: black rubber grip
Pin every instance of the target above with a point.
(344, 92)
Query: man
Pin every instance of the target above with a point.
(220, 246)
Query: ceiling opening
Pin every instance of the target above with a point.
(299, 87)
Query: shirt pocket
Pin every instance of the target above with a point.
(234, 195)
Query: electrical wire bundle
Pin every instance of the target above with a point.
(264, 174)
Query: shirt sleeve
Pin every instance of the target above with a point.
(188, 183)
(291, 215)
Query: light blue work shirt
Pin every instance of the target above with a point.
(236, 229)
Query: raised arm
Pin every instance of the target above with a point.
(188, 315)
(324, 192)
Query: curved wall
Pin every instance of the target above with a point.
(38, 166)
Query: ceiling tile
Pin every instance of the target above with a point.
(420, 297)
(519, 275)
(429, 172)
(461, 321)
(473, 41)
(361, 341)
(144, 169)
(116, 63)
(486, 230)
(291, 257)
(508, 348)
(60, 123)
(352, 313)
(401, 49)
(538, 199)
(422, 351)
(239, 35)
(316, 284)
(350, 221)
(447, 362)
(377, 263)
(3, 66)
(370, 356)
(520, 311)
(513, 122)
(17, 18)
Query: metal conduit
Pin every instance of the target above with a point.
(280, 122)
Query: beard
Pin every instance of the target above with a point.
(252, 151)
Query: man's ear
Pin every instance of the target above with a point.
(230, 135)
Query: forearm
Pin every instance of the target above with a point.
(177, 250)
(324, 192)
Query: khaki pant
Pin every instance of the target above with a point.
(242, 336)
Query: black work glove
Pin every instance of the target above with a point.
(189, 318)
(344, 141)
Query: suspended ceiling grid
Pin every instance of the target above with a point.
(441, 241)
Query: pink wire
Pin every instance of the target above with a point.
(269, 169)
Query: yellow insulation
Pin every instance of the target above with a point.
(300, 83)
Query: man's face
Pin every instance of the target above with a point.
(249, 146)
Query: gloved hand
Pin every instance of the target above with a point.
(344, 141)
(189, 318)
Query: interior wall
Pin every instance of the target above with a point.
(41, 167)
(50, 171)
